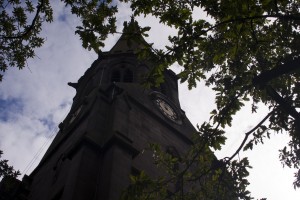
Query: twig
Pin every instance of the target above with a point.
(247, 135)
(29, 29)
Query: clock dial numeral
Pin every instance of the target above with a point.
(166, 109)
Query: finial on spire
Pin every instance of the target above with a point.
(131, 38)
(132, 27)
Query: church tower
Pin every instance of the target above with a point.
(112, 120)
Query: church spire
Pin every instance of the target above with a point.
(131, 39)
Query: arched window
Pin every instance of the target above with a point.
(128, 76)
(116, 76)
(122, 74)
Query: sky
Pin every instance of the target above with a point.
(33, 101)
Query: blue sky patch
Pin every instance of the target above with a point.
(62, 18)
(65, 104)
(48, 121)
(9, 107)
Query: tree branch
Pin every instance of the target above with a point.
(31, 27)
(242, 19)
(247, 135)
(282, 103)
(285, 68)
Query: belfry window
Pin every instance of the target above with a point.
(122, 74)
(116, 76)
(128, 76)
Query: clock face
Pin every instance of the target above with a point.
(166, 109)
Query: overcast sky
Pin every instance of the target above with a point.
(35, 100)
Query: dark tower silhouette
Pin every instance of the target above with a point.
(112, 120)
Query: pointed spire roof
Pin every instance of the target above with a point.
(131, 39)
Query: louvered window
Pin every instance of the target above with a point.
(116, 76)
(128, 76)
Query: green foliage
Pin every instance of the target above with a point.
(21, 24)
(144, 187)
(195, 175)
(248, 50)
(97, 21)
(6, 170)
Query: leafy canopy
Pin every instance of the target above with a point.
(249, 51)
(6, 170)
